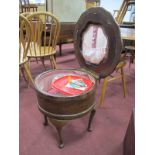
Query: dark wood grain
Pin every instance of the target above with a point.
(61, 108)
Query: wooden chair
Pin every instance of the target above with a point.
(123, 9)
(24, 43)
(45, 32)
(25, 6)
(120, 70)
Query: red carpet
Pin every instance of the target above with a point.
(109, 124)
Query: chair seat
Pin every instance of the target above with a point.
(130, 47)
(41, 51)
(121, 64)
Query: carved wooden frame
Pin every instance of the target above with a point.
(99, 16)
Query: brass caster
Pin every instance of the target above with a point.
(89, 130)
(61, 145)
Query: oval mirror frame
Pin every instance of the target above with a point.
(101, 18)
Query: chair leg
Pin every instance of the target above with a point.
(43, 62)
(53, 62)
(23, 74)
(20, 73)
(52, 65)
(123, 82)
(103, 90)
(60, 49)
(130, 60)
(132, 57)
(27, 70)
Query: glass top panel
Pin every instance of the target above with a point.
(44, 81)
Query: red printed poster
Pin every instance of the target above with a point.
(72, 84)
(94, 45)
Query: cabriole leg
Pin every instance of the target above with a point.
(90, 119)
(45, 121)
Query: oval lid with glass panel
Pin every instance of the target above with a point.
(97, 42)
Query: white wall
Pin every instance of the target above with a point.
(111, 5)
(68, 10)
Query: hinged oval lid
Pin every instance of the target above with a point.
(97, 41)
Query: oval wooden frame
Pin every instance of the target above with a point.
(99, 16)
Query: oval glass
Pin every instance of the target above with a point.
(94, 44)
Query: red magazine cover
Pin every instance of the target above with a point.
(72, 84)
